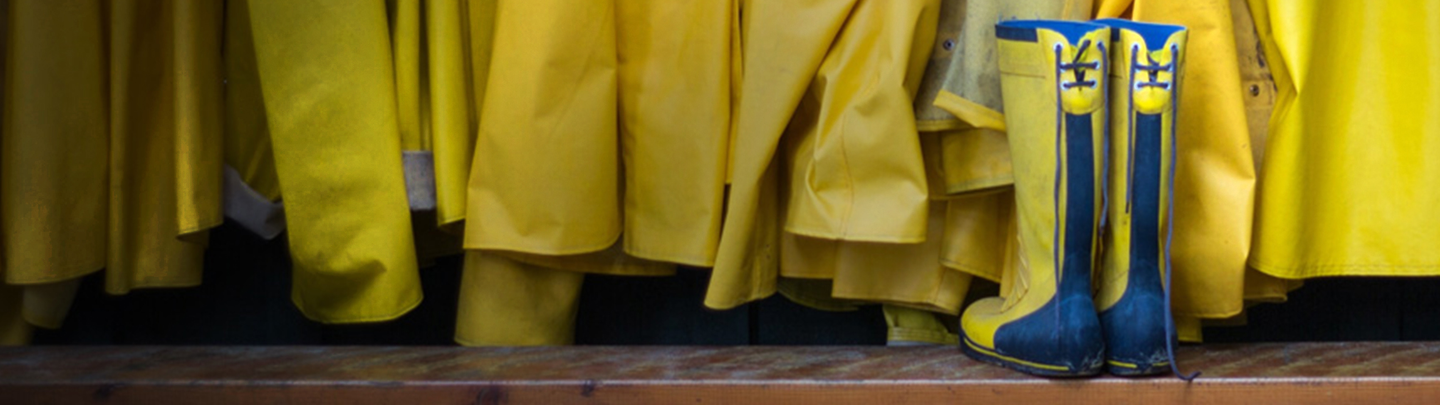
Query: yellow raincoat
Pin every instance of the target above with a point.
(55, 142)
(624, 132)
(111, 150)
(784, 44)
(328, 85)
(166, 119)
(856, 172)
(1347, 184)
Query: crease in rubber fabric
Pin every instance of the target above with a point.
(856, 170)
(784, 45)
(557, 98)
(674, 128)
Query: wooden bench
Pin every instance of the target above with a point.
(1298, 373)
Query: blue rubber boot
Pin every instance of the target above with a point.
(1053, 76)
(1133, 299)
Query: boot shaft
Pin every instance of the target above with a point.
(1132, 297)
(1144, 91)
(1054, 84)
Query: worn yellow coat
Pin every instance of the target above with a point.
(328, 85)
(784, 44)
(165, 141)
(53, 171)
(856, 168)
(626, 133)
(545, 177)
(1347, 185)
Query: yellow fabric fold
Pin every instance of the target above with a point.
(1349, 159)
(165, 122)
(457, 44)
(855, 167)
(674, 119)
(545, 175)
(54, 148)
(328, 85)
(784, 44)
(906, 274)
(1258, 88)
(247, 133)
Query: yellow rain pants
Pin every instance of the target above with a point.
(855, 168)
(545, 177)
(14, 331)
(504, 302)
(1347, 182)
(328, 87)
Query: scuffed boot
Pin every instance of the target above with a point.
(1133, 299)
(1053, 76)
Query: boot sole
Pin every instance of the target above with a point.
(1033, 368)
(1135, 370)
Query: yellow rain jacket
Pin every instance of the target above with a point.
(54, 148)
(505, 302)
(624, 132)
(855, 170)
(854, 162)
(545, 177)
(166, 118)
(247, 134)
(959, 101)
(1259, 91)
(674, 85)
(328, 86)
(1347, 182)
(784, 44)
(457, 43)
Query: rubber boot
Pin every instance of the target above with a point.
(1053, 77)
(1133, 299)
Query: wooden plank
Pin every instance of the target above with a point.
(1304, 373)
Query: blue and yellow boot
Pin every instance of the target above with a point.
(1133, 299)
(1053, 76)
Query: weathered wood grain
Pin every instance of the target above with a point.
(1307, 373)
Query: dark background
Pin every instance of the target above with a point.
(245, 301)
